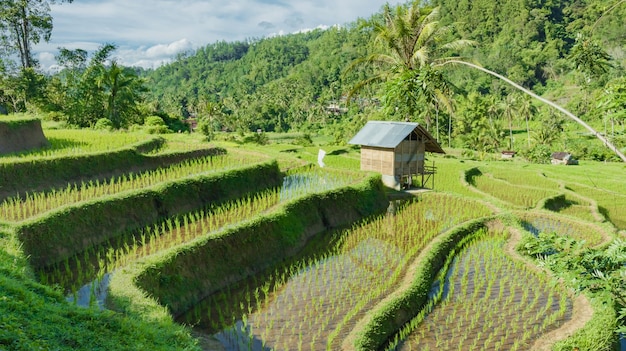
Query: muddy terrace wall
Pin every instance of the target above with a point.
(20, 135)
(50, 172)
(60, 234)
(182, 277)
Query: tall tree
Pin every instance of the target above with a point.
(100, 88)
(122, 89)
(24, 23)
(589, 58)
(476, 128)
(411, 43)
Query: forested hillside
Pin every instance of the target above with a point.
(332, 81)
(297, 82)
(275, 84)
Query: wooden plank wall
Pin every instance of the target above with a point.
(377, 159)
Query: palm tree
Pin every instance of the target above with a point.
(507, 107)
(526, 109)
(411, 43)
(122, 89)
(589, 58)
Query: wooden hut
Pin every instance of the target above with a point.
(562, 158)
(397, 151)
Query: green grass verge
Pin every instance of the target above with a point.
(36, 317)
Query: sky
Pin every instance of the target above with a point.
(149, 33)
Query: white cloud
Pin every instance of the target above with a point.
(150, 32)
(169, 49)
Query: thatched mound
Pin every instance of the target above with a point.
(21, 135)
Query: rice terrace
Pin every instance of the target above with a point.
(440, 175)
(178, 242)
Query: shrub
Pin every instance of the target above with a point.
(55, 116)
(103, 124)
(257, 138)
(206, 129)
(539, 153)
(155, 125)
(154, 121)
(304, 140)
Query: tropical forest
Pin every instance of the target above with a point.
(254, 194)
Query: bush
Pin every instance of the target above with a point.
(257, 138)
(537, 154)
(103, 124)
(155, 125)
(55, 116)
(304, 140)
(205, 128)
(154, 121)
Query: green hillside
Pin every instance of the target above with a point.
(292, 83)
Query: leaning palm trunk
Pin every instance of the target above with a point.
(566, 112)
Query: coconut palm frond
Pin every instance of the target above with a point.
(362, 84)
(459, 44)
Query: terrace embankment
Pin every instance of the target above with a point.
(398, 308)
(182, 277)
(35, 174)
(21, 135)
(60, 234)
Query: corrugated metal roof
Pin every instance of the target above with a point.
(388, 134)
(383, 133)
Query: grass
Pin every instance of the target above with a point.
(20, 208)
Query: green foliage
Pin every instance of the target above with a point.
(478, 126)
(205, 127)
(154, 121)
(600, 272)
(538, 153)
(589, 57)
(275, 84)
(304, 140)
(256, 138)
(22, 25)
(87, 91)
(583, 148)
(155, 125)
(103, 124)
